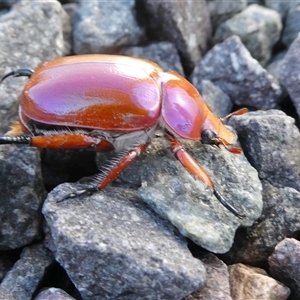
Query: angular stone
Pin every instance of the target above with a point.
(112, 246)
(217, 281)
(230, 67)
(250, 283)
(175, 195)
(163, 53)
(290, 73)
(217, 100)
(271, 142)
(22, 280)
(105, 26)
(47, 36)
(258, 27)
(178, 23)
(284, 265)
(292, 26)
(222, 10)
(279, 219)
(22, 195)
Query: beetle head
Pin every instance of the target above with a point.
(209, 137)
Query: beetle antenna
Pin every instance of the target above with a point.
(227, 205)
(22, 139)
(18, 73)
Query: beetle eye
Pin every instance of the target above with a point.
(208, 137)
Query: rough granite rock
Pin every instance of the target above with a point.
(22, 195)
(290, 73)
(217, 281)
(112, 246)
(292, 26)
(174, 194)
(217, 100)
(284, 265)
(105, 26)
(222, 10)
(22, 280)
(258, 27)
(163, 53)
(271, 142)
(28, 48)
(230, 67)
(185, 24)
(279, 219)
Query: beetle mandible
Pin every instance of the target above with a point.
(110, 102)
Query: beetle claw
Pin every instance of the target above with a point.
(228, 205)
(18, 73)
(79, 193)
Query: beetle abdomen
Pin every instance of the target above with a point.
(98, 95)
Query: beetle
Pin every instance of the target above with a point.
(111, 102)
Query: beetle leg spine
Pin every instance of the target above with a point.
(115, 167)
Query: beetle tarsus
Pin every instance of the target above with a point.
(227, 205)
(18, 73)
(22, 139)
(235, 113)
(78, 193)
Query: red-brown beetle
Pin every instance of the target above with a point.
(108, 102)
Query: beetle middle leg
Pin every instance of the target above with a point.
(194, 168)
(112, 171)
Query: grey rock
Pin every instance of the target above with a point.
(222, 10)
(112, 246)
(22, 280)
(271, 142)
(105, 26)
(281, 6)
(230, 67)
(217, 281)
(259, 29)
(163, 53)
(279, 219)
(30, 33)
(292, 26)
(185, 24)
(53, 293)
(217, 100)
(290, 73)
(190, 206)
(275, 64)
(284, 265)
(22, 194)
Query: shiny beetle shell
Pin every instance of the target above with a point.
(116, 93)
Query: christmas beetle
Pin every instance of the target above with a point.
(109, 102)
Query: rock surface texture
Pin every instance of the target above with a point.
(156, 232)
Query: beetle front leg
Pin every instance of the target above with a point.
(194, 168)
